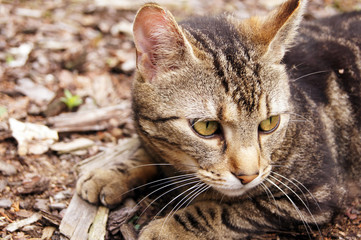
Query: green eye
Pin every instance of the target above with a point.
(206, 128)
(270, 124)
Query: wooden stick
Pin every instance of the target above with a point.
(91, 120)
(21, 223)
(80, 215)
(98, 229)
(78, 218)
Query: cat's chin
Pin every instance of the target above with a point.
(232, 192)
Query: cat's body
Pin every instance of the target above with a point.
(264, 152)
(325, 66)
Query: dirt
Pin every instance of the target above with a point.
(86, 47)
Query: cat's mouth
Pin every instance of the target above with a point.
(231, 186)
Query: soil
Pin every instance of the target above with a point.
(86, 47)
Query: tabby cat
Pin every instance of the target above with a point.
(261, 126)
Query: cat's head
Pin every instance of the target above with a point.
(211, 96)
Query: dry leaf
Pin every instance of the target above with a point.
(32, 138)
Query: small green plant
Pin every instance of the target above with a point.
(3, 112)
(71, 100)
(9, 59)
(134, 222)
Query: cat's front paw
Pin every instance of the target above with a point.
(105, 185)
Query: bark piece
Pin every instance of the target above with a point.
(48, 233)
(5, 203)
(98, 228)
(121, 216)
(116, 154)
(51, 218)
(7, 169)
(27, 221)
(77, 144)
(92, 120)
(41, 205)
(34, 184)
(57, 206)
(128, 232)
(78, 218)
(36, 92)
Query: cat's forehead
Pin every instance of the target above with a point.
(230, 58)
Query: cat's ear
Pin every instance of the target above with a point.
(159, 42)
(273, 34)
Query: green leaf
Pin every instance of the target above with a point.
(71, 100)
(3, 111)
(136, 227)
(67, 94)
(9, 59)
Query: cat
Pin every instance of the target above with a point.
(258, 125)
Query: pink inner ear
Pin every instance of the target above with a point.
(149, 24)
(159, 41)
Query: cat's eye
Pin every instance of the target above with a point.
(205, 128)
(270, 124)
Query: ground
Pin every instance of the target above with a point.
(85, 47)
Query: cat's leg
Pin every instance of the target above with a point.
(110, 185)
(202, 220)
(248, 218)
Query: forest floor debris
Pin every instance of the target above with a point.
(86, 48)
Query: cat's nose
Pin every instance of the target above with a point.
(246, 178)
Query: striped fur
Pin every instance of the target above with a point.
(239, 73)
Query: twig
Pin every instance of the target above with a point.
(27, 221)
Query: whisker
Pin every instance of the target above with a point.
(298, 115)
(151, 164)
(199, 189)
(163, 180)
(304, 187)
(297, 121)
(165, 164)
(220, 201)
(293, 184)
(182, 202)
(182, 185)
(309, 74)
(195, 193)
(269, 193)
(189, 165)
(170, 184)
(175, 179)
(278, 165)
(205, 188)
(314, 199)
(304, 204)
(307, 227)
(189, 189)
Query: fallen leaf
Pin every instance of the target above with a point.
(18, 56)
(32, 138)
